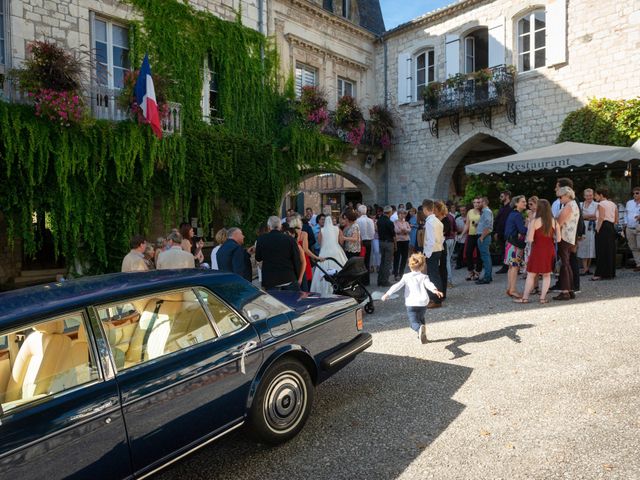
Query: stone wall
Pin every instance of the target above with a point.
(68, 22)
(603, 60)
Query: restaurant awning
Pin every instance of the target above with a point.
(561, 155)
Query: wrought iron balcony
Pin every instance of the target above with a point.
(104, 106)
(467, 95)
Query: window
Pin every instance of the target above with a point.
(346, 9)
(210, 91)
(111, 43)
(225, 319)
(469, 54)
(151, 327)
(2, 35)
(531, 41)
(45, 359)
(346, 87)
(306, 76)
(425, 71)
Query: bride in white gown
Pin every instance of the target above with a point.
(330, 247)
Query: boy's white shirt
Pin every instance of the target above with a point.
(415, 286)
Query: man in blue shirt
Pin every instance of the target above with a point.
(485, 227)
(232, 256)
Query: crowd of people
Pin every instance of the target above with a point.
(535, 238)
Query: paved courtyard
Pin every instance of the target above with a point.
(501, 391)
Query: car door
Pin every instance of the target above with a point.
(182, 374)
(60, 412)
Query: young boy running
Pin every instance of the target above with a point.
(416, 298)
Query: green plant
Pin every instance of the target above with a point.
(603, 122)
(455, 81)
(381, 125)
(49, 66)
(483, 76)
(432, 91)
(313, 106)
(127, 98)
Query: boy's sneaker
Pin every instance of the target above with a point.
(422, 333)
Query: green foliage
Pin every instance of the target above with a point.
(101, 182)
(604, 122)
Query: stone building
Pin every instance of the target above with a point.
(329, 44)
(565, 52)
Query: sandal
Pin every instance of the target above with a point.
(513, 294)
(520, 300)
(595, 279)
(544, 300)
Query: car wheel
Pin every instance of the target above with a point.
(283, 402)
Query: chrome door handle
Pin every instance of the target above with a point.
(249, 345)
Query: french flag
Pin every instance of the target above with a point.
(146, 97)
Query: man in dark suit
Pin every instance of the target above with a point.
(280, 258)
(232, 257)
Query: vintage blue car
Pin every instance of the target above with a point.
(117, 376)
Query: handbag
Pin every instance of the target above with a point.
(516, 241)
(363, 251)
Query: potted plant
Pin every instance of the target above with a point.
(349, 119)
(431, 93)
(127, 98)
(313, 106)
(52, 79)
(381, 126)
(481, 85)
(455, 81)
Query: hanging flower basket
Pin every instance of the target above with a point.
(313, 106)
(349, 119)
(381, 126)
(127, 98)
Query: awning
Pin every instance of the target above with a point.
(561, 155)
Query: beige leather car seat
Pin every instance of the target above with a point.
(44, 355)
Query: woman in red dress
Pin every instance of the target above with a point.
(542, 233)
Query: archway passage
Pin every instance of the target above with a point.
(479, 148)
(319, 190)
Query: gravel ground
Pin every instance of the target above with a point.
(501, 391)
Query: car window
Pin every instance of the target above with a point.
(44, 359)
(264, 306)
(153, 326)
(226, 320)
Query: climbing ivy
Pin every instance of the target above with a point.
(101, 182)
(604, 122)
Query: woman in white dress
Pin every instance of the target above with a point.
(329, 247)
(587, 246)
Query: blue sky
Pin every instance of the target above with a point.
(396, 12)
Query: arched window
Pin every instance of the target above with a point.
(532, 29)
(425, 71)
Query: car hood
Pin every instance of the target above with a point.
(302, 302)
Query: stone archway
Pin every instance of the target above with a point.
(477, 146)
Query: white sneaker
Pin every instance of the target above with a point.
(422, 333)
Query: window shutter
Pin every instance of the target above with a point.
(452, 52)
(556, 42)
(404, 78)
(496, 43)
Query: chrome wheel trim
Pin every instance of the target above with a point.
(285, 402)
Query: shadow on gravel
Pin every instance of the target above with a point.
(509, 332)
(369, 421)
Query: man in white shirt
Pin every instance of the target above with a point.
(367, 232)
(312, 217)
(175, 257)
(632, 232)
(134, 260)
(433, 247)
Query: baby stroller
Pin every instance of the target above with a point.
(348, 281)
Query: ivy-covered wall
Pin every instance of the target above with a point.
(98, 181)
